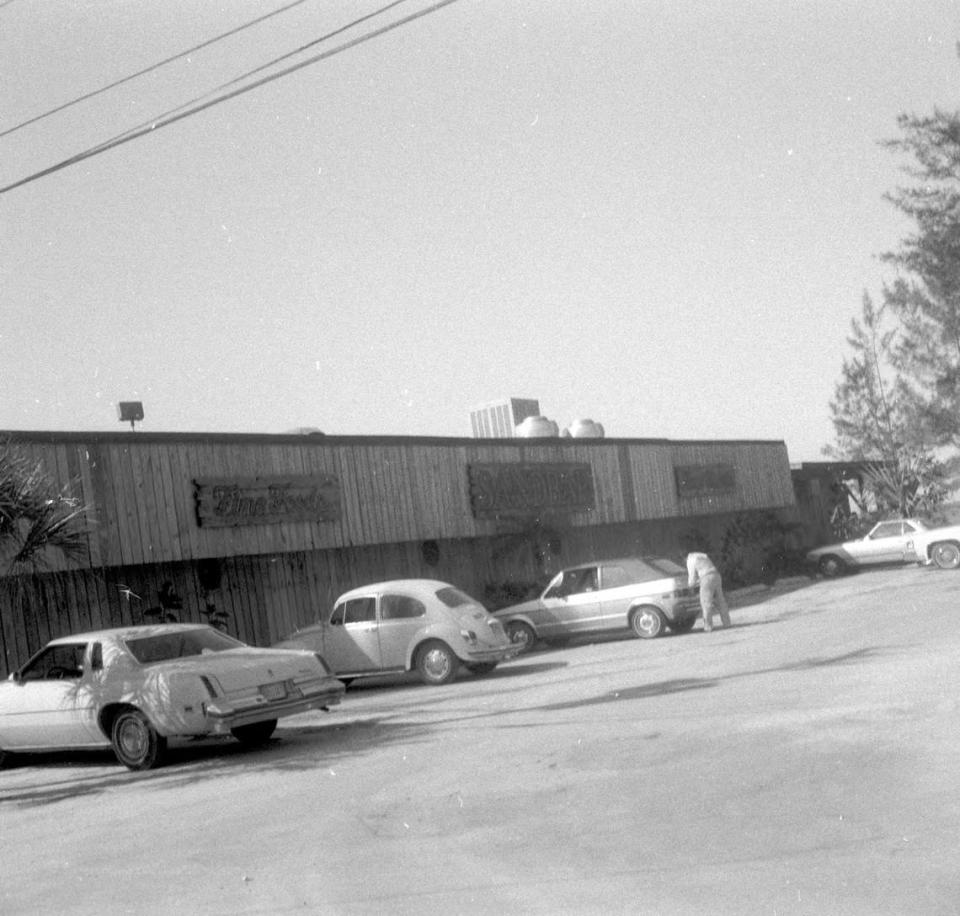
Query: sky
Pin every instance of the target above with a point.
(662, 216)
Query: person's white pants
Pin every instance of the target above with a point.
(712, 600)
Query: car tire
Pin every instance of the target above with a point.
(647, 622)
(521, 634)
(436, 664)
(255, 734)
(945, 555)
(482, 667)
(831, 566)
(135, 741)
(683, 626)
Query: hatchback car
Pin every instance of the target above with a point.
(403, 625)
(135, 687)
(645, 595)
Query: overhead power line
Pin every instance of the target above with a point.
(243, 76)
(150, 69)
(165, 122)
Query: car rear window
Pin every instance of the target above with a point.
(664, 567)
(165, 646)
(453, 597)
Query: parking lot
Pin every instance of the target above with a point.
(803, 761)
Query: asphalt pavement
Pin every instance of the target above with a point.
(801, 762)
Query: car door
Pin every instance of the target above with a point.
(910, 531)
(51, 701)
(886, 543)
(571, 604)
(617, 590)
(351, 638)
(401, 619)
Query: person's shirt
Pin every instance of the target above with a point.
(698, 565)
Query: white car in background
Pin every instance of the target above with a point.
(889, 542)
(939, 546)
(136, 687)
(899, 540)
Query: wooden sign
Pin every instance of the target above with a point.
(705, 479)
(530, 489)
(228, 501)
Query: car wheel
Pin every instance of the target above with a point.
(436, 663)
(482, 667)
(647, 622)
(831, 566)
(521, 634)
(136, 742)
(257, 733)
(683, 626)
(946, 555)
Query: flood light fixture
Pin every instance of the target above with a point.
(130, 412)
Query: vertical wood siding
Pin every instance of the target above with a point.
(268, 596)
(395, 494)
(142, 495)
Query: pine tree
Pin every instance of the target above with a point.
(926, 295)
(873, 414)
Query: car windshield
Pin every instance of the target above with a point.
(165, 646)
(453, 597)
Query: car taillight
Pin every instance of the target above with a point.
(469, 635)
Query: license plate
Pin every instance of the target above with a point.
(273, 691)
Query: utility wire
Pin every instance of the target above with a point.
(146, 70)
(196, 100)
(125, 138)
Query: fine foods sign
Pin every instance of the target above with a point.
(526, 489)
(228, 501)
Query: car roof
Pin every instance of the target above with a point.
(155, 629)
(420, 586)
(618, 561)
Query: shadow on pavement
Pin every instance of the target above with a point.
(294, 748)
(758, 594)
(661, 688)
(411, 681)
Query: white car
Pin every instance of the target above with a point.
(939, 546)
(421, 625)
(136, 687)
(888, 542)
(642, 595)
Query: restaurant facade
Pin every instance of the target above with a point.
(260, 533)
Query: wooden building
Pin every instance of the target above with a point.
(267, 530)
